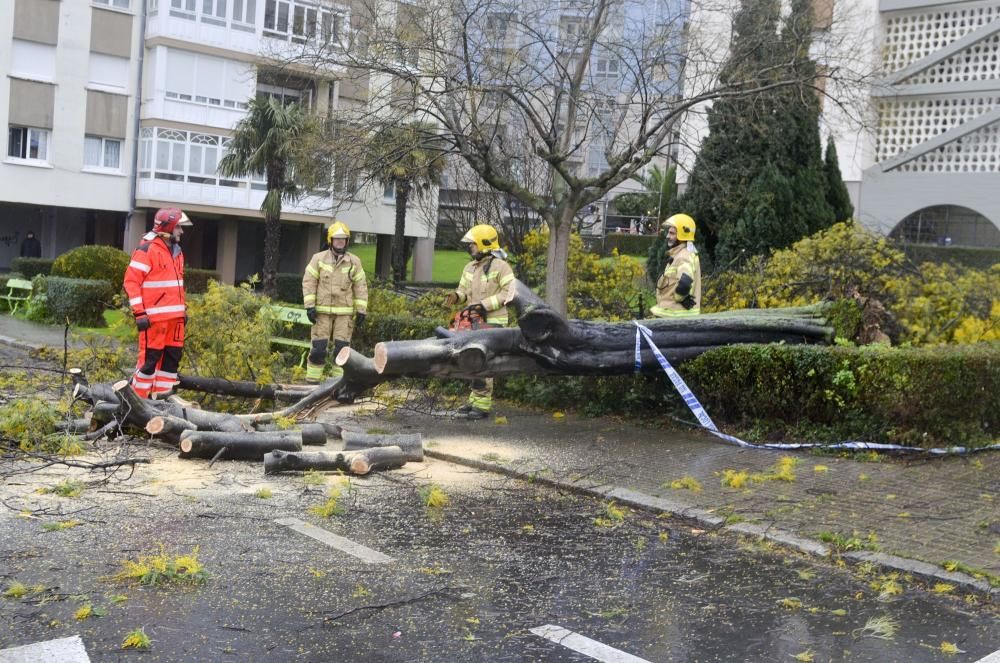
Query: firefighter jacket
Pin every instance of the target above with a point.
(487, 282)
(678, 291)
(333, 285)
(154, 279)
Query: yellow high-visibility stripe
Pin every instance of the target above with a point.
(312, 271)
(359, 276)
(335, 310)
(325, 266)
(309, 299)
(668, 313)
(491, 303)
(507, 279)
(362, 303)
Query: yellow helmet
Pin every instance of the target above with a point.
(337, 230)
(684, 224)
(484, 236)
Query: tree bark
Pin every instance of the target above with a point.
(239, 388)
(557, 262)
(272, 252)
(402, 191)
(357, 462)
(410, 443)
(239, 446)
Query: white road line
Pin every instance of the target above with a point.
(335, 541)
(584, 645)
(991, 658)
(63, 650)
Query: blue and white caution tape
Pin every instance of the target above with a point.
(643, 332)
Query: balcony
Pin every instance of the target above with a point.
(180, 167)
(178, 19)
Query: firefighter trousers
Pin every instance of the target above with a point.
(337, 328)
(160, 350)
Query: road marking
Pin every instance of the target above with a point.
(584, 645)
(991, 658)
(335, 541)
(63, 650)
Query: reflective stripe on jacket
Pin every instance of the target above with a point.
(487, 282)
(336, 286)
(154, 279)
(668, 301)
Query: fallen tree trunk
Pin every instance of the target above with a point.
(238, 446)
(361, 461)
(242, 389)
(410, 443)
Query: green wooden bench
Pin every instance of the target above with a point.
(287, 314)
(18, 292)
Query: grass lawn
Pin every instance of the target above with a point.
(111, 317)
(447, 267)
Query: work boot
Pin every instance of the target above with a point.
(476, 413)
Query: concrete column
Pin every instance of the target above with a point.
(383, 257)
(136, 226)
(423, 259)
(225, 253)
(312, 236)
(322, 98)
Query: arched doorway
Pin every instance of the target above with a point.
(947, 225)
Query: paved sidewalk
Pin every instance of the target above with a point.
(32, 335)
(912, 515)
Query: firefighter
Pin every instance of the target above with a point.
(678, 292)
(485, 283)
(335, 293)
(154, 282)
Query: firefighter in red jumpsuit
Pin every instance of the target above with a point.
(154, 282)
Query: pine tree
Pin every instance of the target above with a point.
(836, 192)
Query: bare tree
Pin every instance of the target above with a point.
(588, 90)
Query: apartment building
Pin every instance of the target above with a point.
(112, 130)
(919, 145)
(68, 108)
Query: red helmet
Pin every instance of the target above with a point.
(169, 218)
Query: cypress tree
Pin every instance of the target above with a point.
(759, 181)
(836, 191)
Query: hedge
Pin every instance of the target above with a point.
(289, 287)
(81, 301)
(104, 263)
(31, 267)
(196, 280)
(920, 396)
(627, 245)
(975, 257)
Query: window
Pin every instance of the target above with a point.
(284, 19)
(102, 152)
(120, 4)
(389, 190)
(28, 143)
(203, 158)
(170, 151)
(182, 8)
(244, 11)
(276, 16)
(606, 68)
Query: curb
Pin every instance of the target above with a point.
(20, 345)
(709, 520)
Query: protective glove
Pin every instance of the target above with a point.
(688, 302)
(142, 322)
(451, 299)
(359, 320)
(311, 314)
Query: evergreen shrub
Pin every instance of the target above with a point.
(923, 397)
(31, 267)
(79, 301)
(196, 280)
(628, 245)
(104, 263)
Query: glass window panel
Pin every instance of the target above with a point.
(177, 163)
(15, 142)
(251, 11)
(162, 155)
(112, 153)
(270, 12)
(282, 17)
(91, 151)
(211, 160)
(38, 147)
(298, 23)
(220, 8)
(194, 162)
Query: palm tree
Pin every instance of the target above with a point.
(407, 157)
(267, 141)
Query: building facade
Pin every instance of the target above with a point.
(919, 144)
(105, 130)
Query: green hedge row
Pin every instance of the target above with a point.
(31, 267)
(196, 280)
(975, 257)
(80, 301)
(924, 397)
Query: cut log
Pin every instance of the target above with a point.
(362, 461)
(73, 426)
(411, 443)
(239, 446)
(240, 388)
(168, 428)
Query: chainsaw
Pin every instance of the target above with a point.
(469, 318)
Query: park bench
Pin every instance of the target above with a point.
(287, 314)
(18, 291)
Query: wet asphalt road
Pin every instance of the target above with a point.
(467, 583)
